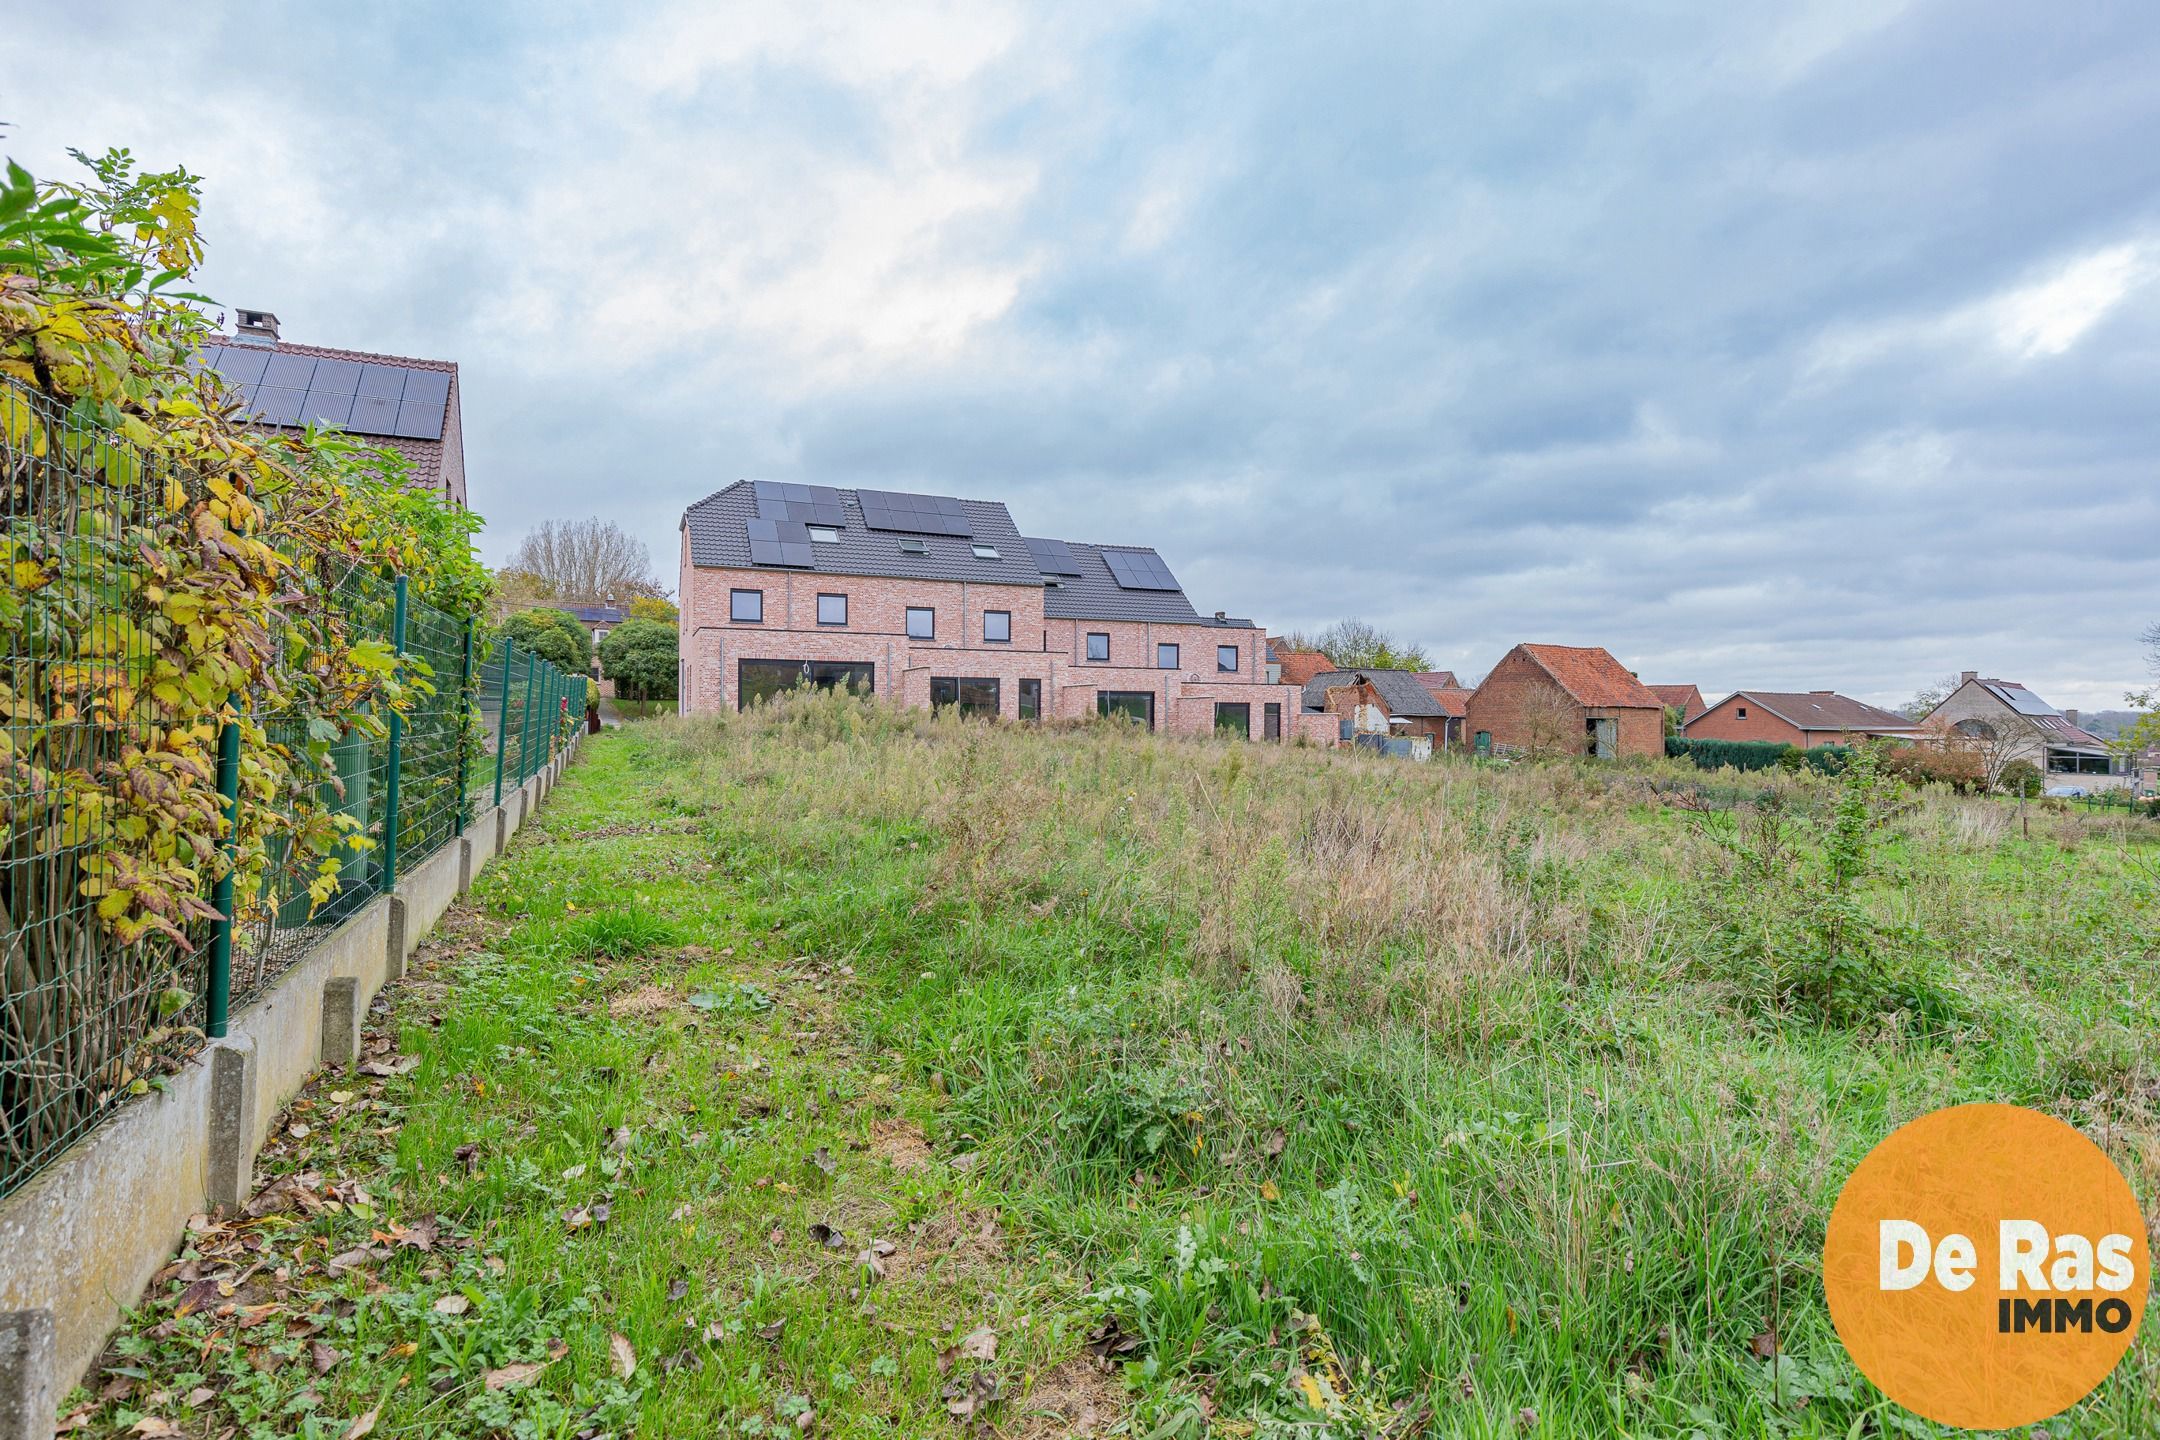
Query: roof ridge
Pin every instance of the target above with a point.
(338, 352)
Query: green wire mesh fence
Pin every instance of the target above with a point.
(86, 1020)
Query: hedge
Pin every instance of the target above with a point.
(1757, 755)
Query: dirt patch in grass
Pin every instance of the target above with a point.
(951, 1243)
(1075, 1398)
(647, 999)
(901, 1143)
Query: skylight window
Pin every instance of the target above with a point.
(909, 545)
(824, 534)
(985, 552)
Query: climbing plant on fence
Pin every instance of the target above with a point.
(187, 596)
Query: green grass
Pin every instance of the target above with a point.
(1322, 1092)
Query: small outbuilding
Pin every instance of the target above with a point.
(1565, 700)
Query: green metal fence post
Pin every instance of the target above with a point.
(218, 1004)
(525, 721)
(502, 715)
(397, 749)
(464, 722)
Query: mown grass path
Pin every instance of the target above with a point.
(622, 1168)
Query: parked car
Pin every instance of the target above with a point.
(2067, 792)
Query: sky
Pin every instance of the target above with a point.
(1797, 345)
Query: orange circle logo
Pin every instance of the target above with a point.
(1986, 1266)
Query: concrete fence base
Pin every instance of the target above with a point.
(80, 1241)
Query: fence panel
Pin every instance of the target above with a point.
(84, 1018)
(74, 1004)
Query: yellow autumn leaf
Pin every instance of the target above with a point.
(1268, 1190)
(1310, 1388)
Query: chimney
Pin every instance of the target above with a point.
(2071, 716)
(1966, 677)
(1221, 615)
(1822, 692)
(256, 326)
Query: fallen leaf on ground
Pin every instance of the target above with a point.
(324, 1358)
(1765, 1344)
(625, 1358)
(452, 1305)
(511, 1375)
(365, 1425)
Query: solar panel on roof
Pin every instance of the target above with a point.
(382, 380)
(277, 404)
(374, 415)
(2018, 698)
(326, 407)
(1136, 570)
(1053, 557)
(810, 504)
(240, 364)
(429, 387)
(419, 420)
(919, 514)
(289, 372)
(336, 377)
(779, 542)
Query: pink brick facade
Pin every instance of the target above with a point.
(1052, 652)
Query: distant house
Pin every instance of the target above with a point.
(1807, 719)
(1565, 699)
(1685, 699)
(1391, 702)
(1300, 666)
(2013, 724)
(1437, 680)
(597, 618)
(393, 402)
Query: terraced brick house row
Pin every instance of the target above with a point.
(935, 601)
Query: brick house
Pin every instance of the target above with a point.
(2012, 723)
(393, 402)
(1806, 719)
(1685, 700)
(1565, 699)
(933, 601)
(1300, 666)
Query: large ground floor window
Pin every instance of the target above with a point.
(763, 679)
(1233, 719)
(973, 697)
(1132, 704)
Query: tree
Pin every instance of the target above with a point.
(1552, 725)
(1360, 645)
(554, 635)
(591, 560)
(517, 590)
(640, 656)
(1927, 697)
(654, 607)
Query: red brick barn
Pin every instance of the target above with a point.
(1565, 700)
(1685, 700)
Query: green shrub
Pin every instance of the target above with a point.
(2021, 777)
(554, 635)
(641, 657)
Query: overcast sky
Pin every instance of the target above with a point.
(1789, 345)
